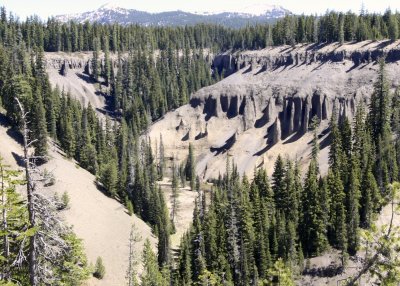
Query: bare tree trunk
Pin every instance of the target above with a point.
(29, 189)
(131, 273)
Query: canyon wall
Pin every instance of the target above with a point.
(266, 104)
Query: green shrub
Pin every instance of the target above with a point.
(99, 269)
(65, 200)
(129, 206)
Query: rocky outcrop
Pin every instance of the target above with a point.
(64, 69)
(318, 80)
(281, 115)
(88, 68)
(76, 61)
(61, 63)
(273, 58)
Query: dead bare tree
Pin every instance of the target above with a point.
(46, 243)
(174, 194)
(133, 261)
(30, 187)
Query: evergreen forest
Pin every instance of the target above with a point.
(249, 232)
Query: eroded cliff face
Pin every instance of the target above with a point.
(70, 72)
(270, 59)
(265, 107)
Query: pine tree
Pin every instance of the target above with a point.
(325, 200)
(393, 28)
(353, 206)
(370, 198)
(95, 64)
(109, 177)
(346, 147)
(264, 242)
(107, 63)
(151, 275)
(117, 87)
(379, 124)
(198, 249)
(20, 88)
(337, 230)
(292, 186)
(262, 182)
(341, 28)
(359, 134)
(174, 195)
(335, 149)
(190, 168)
(161, 163)
(278, 184)
(232, 232)
(99, 269)
(164, 230)
(247, 233)
(312, 230)
(379, 112)
(279, 274)
(39, 128)
(185, 261)
(210, 239)
(123, 157)
(269, 39)
(395, 119)
(52, 111)
(315, 29)
(66, 131)
(13, 224)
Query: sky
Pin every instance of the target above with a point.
(46, 8)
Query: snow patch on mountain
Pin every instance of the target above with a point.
(256, 10)
(113, 12)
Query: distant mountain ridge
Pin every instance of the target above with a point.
(109, 13)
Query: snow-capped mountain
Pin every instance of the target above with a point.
(107, 13)
(111, 13)
(256, 10)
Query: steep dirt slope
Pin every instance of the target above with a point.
(101, 222)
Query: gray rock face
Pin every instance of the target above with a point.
(282, 115)
(283, 88)
(88, 68)
(265, 106)
(60, 63)
(272, 59)
(64, 69)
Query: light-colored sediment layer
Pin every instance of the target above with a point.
(264, 108)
